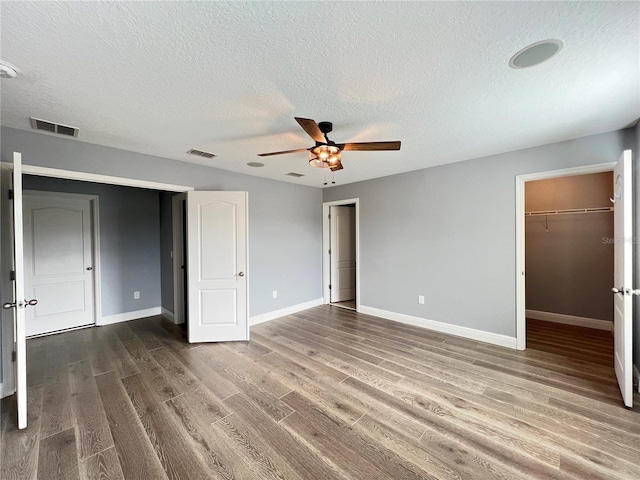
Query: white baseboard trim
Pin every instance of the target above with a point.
(168, 314)
(283, 312)
(125, 317)
(465, 332)
(570, 320)
(636, 375)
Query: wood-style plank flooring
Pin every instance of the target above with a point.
(326, 393)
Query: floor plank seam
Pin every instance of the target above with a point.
(360, 418)
(287, 416)
(282, 396)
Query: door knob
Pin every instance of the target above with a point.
(8, 305)
(618, 290)
(33, 302)
(241, 274)
(89, 268)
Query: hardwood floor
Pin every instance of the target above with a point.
(326, 393)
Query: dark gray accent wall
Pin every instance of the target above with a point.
(285, 228)
(129, 241)
(166, 248)
(448, 232)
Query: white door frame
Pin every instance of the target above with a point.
(8, 385)
(94, 202)
(326, 243)
(521, 317)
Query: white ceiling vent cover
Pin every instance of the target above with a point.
(201, 153)
(294, 174)
(39, 124)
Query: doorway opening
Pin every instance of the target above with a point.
(521, 222)
(620, 282)
(341, 266)
(569, 265)
(10, 337)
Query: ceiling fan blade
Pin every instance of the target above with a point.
(369, 146)
(283, 152)
(336, 167)
(312, 128)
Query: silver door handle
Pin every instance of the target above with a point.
(626, 291)
(27, 303)
(241, 274)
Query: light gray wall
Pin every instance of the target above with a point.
(129, 241)
(448, 232)
(285, 229)
(569, 262)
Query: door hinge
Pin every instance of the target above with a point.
(12, 275)
(329, 287)
(10, 194)
(329, 251)
(14, 357)
(329, 216)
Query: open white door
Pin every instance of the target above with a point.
(343, 253)
(217, 246)
(19, 303)
(623, 276)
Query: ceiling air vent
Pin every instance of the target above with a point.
(51, 127)
(294, 174)
(200, 153)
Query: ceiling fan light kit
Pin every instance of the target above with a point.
(327, 154)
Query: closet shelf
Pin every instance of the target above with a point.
(569, 211)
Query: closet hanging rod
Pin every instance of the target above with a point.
(569, 211)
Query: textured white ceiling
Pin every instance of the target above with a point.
(163, 77)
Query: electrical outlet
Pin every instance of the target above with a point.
(275, 294)
(421, 299)
(136, 295)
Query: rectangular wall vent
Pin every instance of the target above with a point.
(201, 153)
(294, 174)
(51, 127)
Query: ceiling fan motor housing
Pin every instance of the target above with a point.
(325, 127)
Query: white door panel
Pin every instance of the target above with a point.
(19, 303)
(58, 259)
(343, 253)
(217, 250)
(623, 276)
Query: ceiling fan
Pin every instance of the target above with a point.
(326, 153)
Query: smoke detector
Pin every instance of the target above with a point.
(7, 70)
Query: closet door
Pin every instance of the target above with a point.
(217, 247)
(623, 276)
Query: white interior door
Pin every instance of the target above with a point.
(19, 303)
(217, 247)
(58, 261)
(343, 253)
(622, 290)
